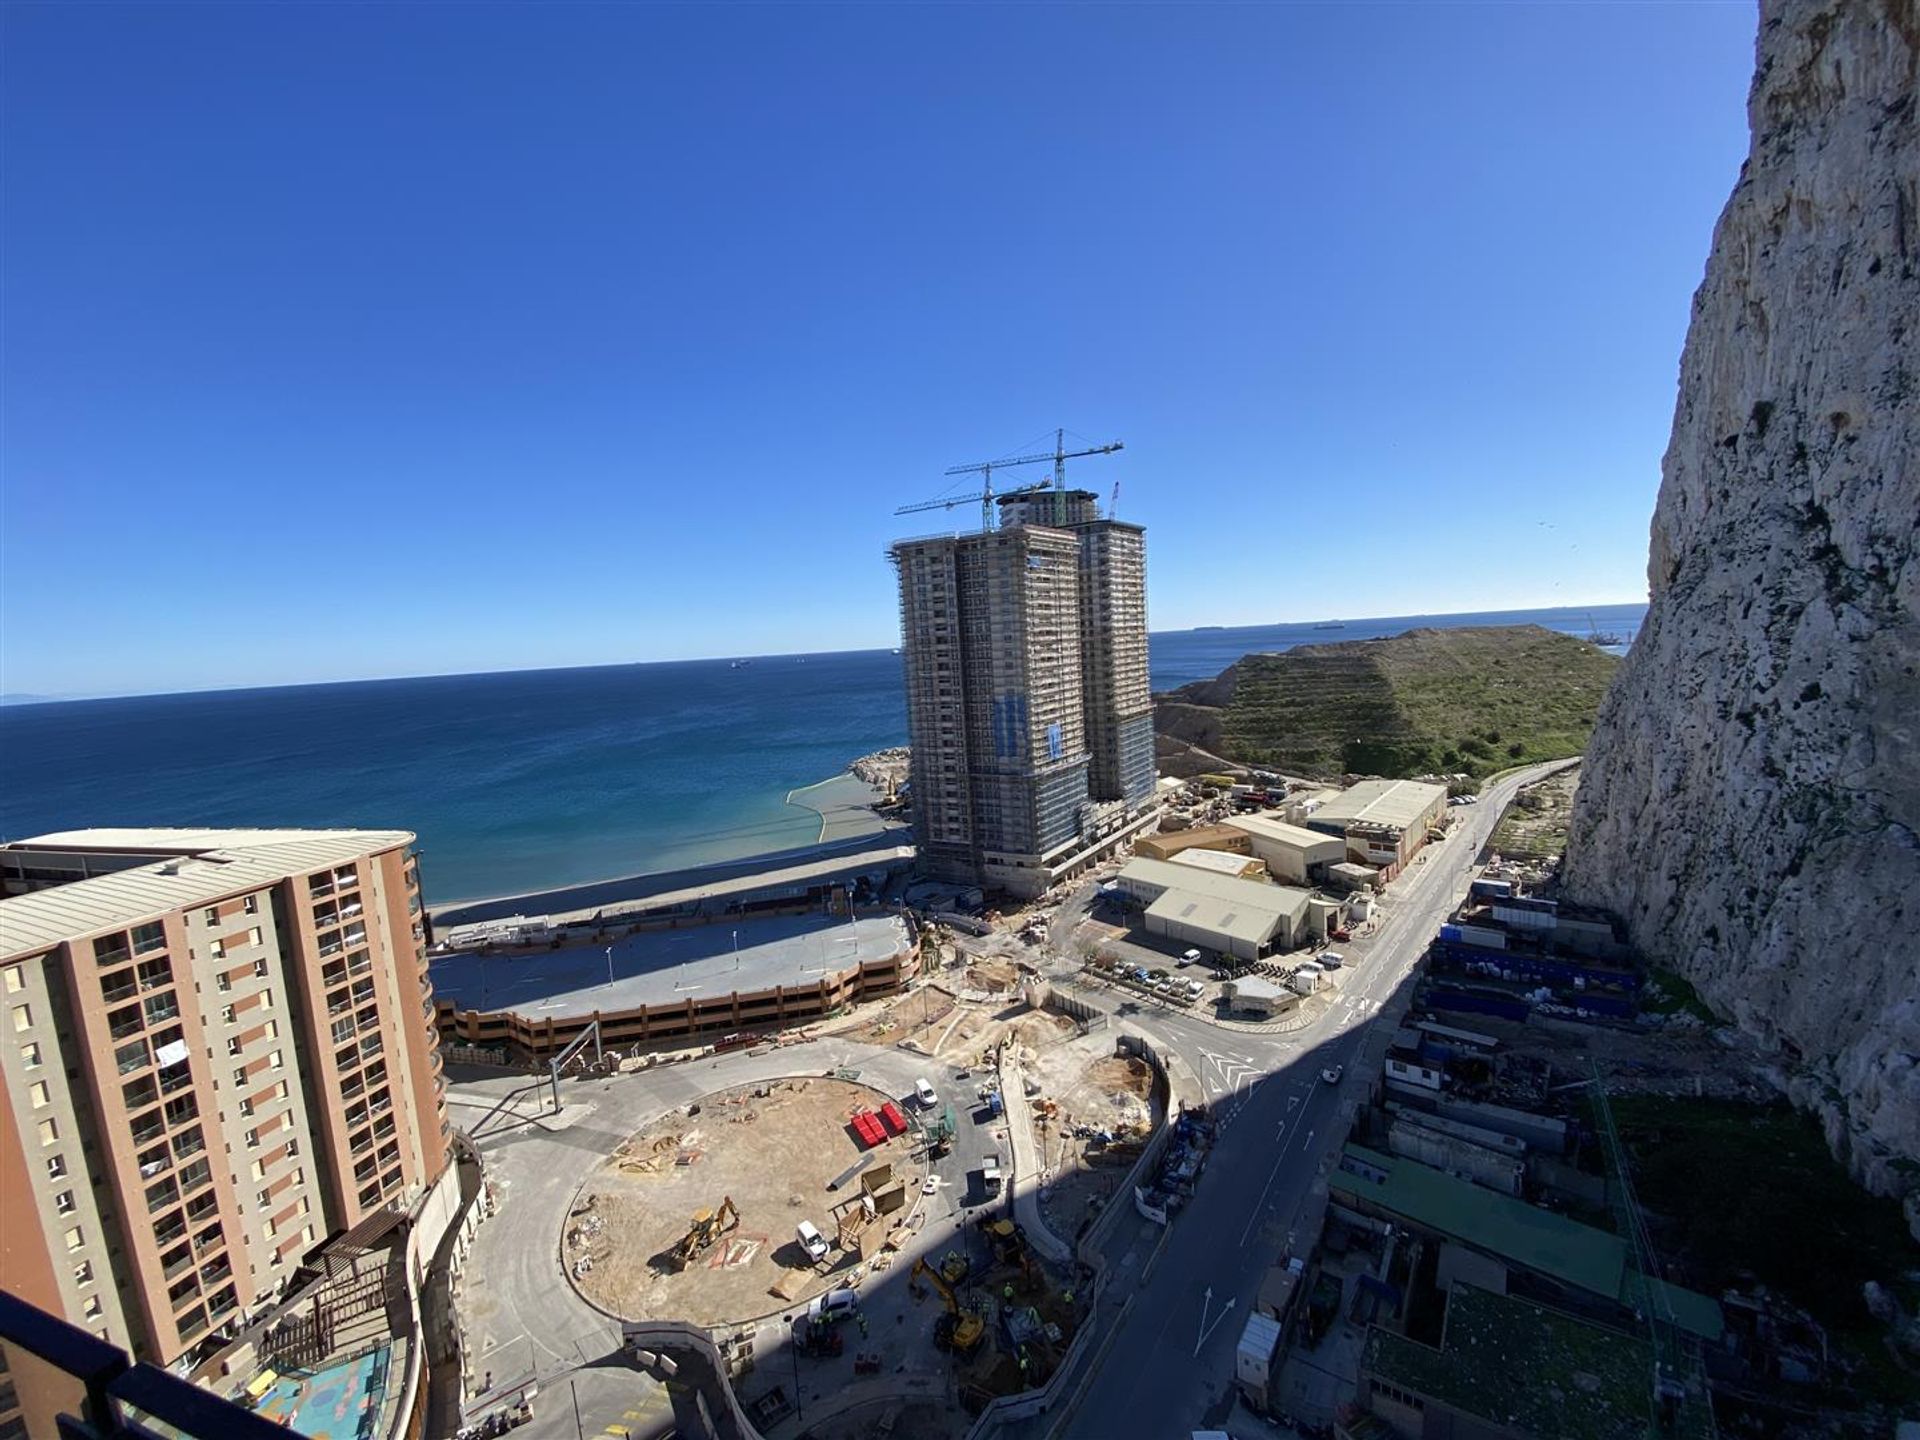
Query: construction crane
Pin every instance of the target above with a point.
(1058, 457)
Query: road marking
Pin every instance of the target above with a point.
(1206, 1301)
(1279, 1160)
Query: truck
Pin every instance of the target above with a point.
(990, 1174)
(1256, 1364)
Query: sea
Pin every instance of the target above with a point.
(534, 779)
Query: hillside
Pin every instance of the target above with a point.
(1472, 700)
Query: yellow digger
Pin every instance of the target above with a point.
(707, 1227)
(958, 1330)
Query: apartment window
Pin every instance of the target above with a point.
(110, 948)
(233, 1045)
(56, 1167)
(252, 906)
(246, 1108)
(222, 983)
(293, 1148)
(216, 949)
(63, 1202)
(253, 935)
(75, 1240)
(92, 1308)
(30, 1055)
(240, 1075)
(16, 979)
(149, 937)
(22, 1017)
(211, 915)
(265, 1198)
(259, 968)
(269, 1229)
(40, 1093)
(226, 1014)
(83, 1272)
(259, 1171)
(49, 1131)
(281, 1091)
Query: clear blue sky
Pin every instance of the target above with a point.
(356, 340)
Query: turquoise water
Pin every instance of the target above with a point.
(533, 779)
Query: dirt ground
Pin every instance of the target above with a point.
(1098, 1091)
(1681, 1058)
(1535, 826)
(956, 1032)
(772, 1149)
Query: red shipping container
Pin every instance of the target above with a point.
(896, 1122)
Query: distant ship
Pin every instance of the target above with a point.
(1330, 625)
(1198, 628)
(740, 664)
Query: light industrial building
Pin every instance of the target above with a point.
(1241, 918)
(1383, 821)
(1169, 843)
(220, 1049)
(1293, 854)
(1028, 712)
(1222, 862)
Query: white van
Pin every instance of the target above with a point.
(834, 1305)
(811, 1241)
(923, 1092)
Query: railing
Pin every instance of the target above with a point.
(120, 992)
(172, 1082)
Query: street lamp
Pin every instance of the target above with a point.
(609, 964)
(736, 949)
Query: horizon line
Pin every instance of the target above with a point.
(30, 699)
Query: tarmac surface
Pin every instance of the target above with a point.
(664, 967)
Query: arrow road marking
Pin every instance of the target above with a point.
(1206, 1301)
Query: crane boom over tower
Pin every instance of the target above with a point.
(1058, 457)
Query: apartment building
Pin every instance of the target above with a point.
(1028, 711)
(217, 1048)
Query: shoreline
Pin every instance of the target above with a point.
(848, 825)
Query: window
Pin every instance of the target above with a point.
(93, 1309)
(226, 1014)
(40, 1093)
(30, 1055)
(56, 1167)
(275, 1062)
(281, 1091)
(63, 1202)
(233, 1045)
(49, 1132)
(222, 983)
(216, 949)
(253, 1138)
(251, 904)
(83, 1273)
(253, 935)
(211, 914)
(259, 1171)
(22, 1017)
(265, 1198)
(75, 1240)
(293, 1147)
(16, 979)
(246, 1108)
(259, 968)
(240, 1076)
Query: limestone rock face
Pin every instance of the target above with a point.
(1751, 797)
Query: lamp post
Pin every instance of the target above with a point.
(736, 949)
(609, 964)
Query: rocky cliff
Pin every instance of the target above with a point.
(1752, 792)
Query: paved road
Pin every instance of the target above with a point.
(1169, 1368)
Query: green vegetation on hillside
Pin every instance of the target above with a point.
(1472, 700)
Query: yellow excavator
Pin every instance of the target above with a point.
(958, 1330)
(707, 1227)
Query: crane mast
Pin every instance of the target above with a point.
(1057, 457)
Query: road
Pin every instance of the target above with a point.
(1168, 1369)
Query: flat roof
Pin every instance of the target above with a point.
(666, 967)
(1265, 827)
(1382, 802)
(1255, 987)
(1579, 1255)
(1526, 1368)
(191, 868)
(1220, 862)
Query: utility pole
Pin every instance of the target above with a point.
(609, 964)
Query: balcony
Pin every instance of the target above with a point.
(203, 1206)
(162, 1008)
(170, 1231)
(121, 990)
(219, 1270)
(191, 1143)
(125, 1023)
(193, 1176)
(130, 1058)
(210, 1238)
(147, 1129)
(176, 1078)
(176, 1264)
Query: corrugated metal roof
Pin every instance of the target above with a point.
(1220, 862)
(1217, 917)
(1282, 833)
(1228, 889)
(191, 868)
(1382, 802)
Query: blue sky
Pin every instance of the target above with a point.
(357, 340)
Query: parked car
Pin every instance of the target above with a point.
(923, 1091)
(1330, 961)
(834, 1305)
(811, 1241)
(1189, 957)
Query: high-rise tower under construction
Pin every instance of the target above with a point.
(1025, 651)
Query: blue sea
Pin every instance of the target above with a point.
(530, 780)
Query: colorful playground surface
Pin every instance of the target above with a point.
(337, 1402)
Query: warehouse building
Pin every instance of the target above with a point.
(1223, 862)
(1245, 919)
(1169, 843)
(1293, 854)
(1383, 821)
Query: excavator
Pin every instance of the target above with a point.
(958, 1330)
(707, 1227)
(1009, 1242)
